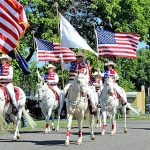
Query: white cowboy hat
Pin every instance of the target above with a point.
(4, 56)
(95, 73)
(80, 54)
(110, 63)
(50, 66)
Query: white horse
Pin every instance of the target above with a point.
(48, 104)
(6, 109)
(110, 103)
(77, 104)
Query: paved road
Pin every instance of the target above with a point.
(137, 138)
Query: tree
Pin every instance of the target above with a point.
(118, 15)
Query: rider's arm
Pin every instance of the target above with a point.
(10, 74)
(116, 76)
(55, 81)
(100, 73)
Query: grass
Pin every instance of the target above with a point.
(63, 123)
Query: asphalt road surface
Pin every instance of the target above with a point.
(137, 138)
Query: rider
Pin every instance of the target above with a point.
(52, 79)
(6, 76)
(110, 71)
(97, 81)
(80, 65)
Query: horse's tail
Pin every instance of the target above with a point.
(29, 119)
(133, 109)
(3, 123)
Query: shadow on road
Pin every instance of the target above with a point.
(141, 128)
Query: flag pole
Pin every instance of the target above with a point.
(61, 57)
(96, 43)
(34, 47)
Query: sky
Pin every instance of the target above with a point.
(141, 45)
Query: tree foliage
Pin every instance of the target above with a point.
(84, 15)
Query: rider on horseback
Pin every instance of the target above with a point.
(6, 75)
(52, 79)
(110, 71)
(79, 66)
(97, 81)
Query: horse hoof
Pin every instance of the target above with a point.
(14, 139)
(103, 133)
(78, 142)
(53, 129)
(67, 143)
(125, 131)
(18, 136)
(112, 133)
(92, 137)
(46, 132)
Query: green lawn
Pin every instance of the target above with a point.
(63, 123)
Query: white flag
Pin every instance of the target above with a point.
(70, 37)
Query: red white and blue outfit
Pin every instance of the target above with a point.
(119, 90)
(6, 75)
(74, 68)
(52, 80)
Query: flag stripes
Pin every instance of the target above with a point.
(123, 44)
(49, 51)
(13, 24)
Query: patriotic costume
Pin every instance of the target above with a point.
(74, 68)
(52, 79)
(97, 82)
(112, 72)
(6, 75)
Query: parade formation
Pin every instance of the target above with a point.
(74, 78)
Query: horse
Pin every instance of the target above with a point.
(77, 104)
(110, 102)
(48, 104)
(6, 109)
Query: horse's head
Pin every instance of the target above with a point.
(110, 82)
(82, 83)
(41, 90)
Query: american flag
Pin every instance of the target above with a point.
(123, 44)
(49, 51)
(13, 23)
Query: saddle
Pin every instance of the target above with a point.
(7, 95)
(56, 95)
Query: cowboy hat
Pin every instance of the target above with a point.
(50, 66)
(110, 63)
(4, 56)
(80, 54)
(95, 73)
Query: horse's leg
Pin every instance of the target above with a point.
(91, 120)
(69, 118)
(104, 122)
(53, 117)
(80, 123)
(47, 118)
(123, 108)
(98, 121)
(58, 119)
(113, 120)
(17, 122)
